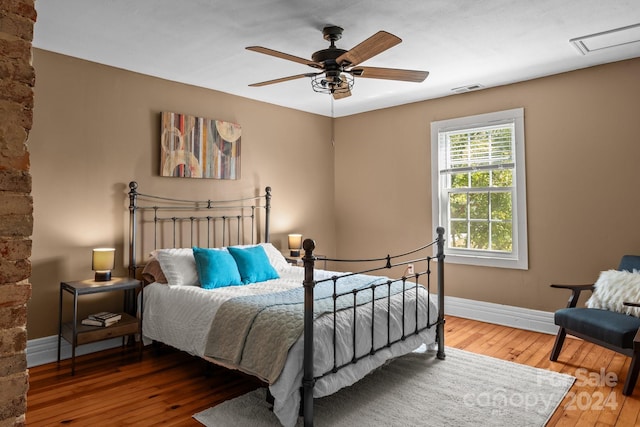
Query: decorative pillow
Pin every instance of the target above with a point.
(216, 268)
(152, 272)
(276, 259)
(253, 264)
(614, 287)
(178, 266)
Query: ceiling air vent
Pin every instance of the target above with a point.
(607, 39)
(464, 89)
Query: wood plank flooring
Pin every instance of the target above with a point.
(113, 388)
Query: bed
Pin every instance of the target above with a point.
(306, 332)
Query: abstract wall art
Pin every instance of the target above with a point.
(196, 147)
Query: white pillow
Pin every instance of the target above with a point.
(276, 258)
(178, 266)
(614, 287)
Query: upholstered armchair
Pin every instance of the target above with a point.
(611, 318)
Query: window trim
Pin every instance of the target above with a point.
(520, 241)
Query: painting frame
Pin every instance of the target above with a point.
(198, 147)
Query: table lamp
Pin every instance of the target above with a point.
(102, 262)
(295, 243)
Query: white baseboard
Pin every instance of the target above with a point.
(45, 350)
(506, 315)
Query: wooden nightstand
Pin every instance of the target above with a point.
(77, 334)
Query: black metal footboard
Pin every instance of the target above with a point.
(408, 282)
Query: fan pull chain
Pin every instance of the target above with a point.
(333, 126)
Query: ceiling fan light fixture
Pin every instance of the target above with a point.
(332, 85)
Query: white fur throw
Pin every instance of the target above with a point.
(614, 287)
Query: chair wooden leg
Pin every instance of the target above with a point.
(562, 333)
(634, 369)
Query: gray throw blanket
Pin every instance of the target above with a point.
(254, 333)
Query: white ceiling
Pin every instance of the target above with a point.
(460, 42)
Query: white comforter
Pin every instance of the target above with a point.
(181, 316)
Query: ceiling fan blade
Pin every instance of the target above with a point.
(377, 43)
(282, 79)
(282, 55)
(390, 74)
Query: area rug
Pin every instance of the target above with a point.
(465, 389)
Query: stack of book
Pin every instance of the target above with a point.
(104, 318)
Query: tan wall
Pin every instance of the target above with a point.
(96, 128)
(582, 152)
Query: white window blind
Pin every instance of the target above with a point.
(482, 148)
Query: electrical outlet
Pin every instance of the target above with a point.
(410, 269)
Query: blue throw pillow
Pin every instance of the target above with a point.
(216, 268)
(253, 264)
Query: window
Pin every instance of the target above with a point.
(478, 188)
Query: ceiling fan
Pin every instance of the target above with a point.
(338, 67)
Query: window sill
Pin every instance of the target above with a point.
(481, 261)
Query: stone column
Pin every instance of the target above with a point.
(17, 77)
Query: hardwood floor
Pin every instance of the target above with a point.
(114, 388)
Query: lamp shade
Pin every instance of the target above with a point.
(295, 243)
(102, 262)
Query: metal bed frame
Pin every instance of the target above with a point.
(209, 223)
(309, 378)
(185, 223)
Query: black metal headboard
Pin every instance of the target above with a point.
(161, 222)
